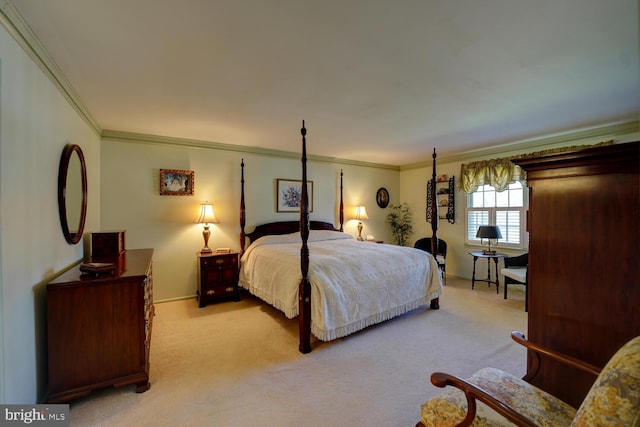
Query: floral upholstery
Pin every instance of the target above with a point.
(450, 407)
(614, 398)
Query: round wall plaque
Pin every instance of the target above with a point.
(382, 197)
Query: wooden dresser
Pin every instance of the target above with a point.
(584, 279)
(99, 327)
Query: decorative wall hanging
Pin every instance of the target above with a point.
(382, 197)
(175, 182)
(289, 194)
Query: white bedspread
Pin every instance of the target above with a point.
(354, 284)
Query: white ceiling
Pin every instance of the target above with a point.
(376, 80)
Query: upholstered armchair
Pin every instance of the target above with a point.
(491, 397)
(516, 271)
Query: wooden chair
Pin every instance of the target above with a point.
(441, 257)
(491, 397)
(516, 271)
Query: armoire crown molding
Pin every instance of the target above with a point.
(594, 134)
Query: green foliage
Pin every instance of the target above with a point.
(400, 219)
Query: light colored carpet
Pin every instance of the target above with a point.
(237, 364)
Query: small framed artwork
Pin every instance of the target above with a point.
(175, 182)
(382, 197)
(289, 195)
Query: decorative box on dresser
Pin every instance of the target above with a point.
(584, 279)
(108, 243)
(217, 277)
(99, 327)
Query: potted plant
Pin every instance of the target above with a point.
(400, 219)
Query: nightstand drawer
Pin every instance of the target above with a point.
(217, 274)
(219, 291)
(219, 261)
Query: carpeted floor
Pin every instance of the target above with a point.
(237, 364)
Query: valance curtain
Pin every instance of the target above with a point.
(499, 173)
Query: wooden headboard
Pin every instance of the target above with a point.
(281, 227)
(285, 227)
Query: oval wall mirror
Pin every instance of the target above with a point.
(72, 193)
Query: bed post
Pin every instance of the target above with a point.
(243, 214)
(304, 289)
(341, 204)
(435, 303)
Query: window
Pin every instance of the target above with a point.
(506, 209)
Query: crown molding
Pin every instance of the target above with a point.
(140, 138)
(16, 26)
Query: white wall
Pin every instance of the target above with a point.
(36, 122)
(131, 201)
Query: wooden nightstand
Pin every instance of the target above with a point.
(217, 277)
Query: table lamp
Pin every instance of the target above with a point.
(361, 213)
(207, 216)
(489, 232)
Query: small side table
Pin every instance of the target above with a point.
(217, 277)
(495, 257)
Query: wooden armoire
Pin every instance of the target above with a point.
(584, 247)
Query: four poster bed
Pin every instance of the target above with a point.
(348, 284)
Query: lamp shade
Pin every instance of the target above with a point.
(361, 213)
(489, 232)
(207, 215)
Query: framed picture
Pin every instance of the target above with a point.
(289, 194)
(382, 197)
(175, 182)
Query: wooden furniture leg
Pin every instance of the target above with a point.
(497, 277)
(473, 276)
